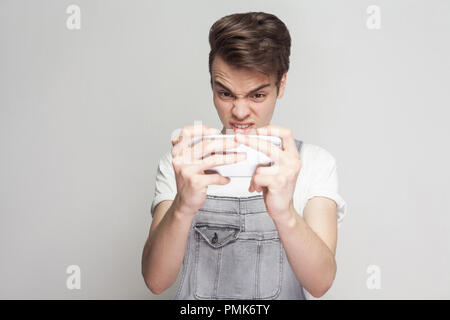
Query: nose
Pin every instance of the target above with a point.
(241, 109)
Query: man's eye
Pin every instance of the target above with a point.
(225, 94)
(259, 95)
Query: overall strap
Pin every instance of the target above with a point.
(299, 144)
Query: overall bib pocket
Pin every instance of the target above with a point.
(232, 264)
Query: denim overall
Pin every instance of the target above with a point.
(234, 252)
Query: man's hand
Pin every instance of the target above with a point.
(278, 181)
(190, 161)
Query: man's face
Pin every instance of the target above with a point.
(243, 97)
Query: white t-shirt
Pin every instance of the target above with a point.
(317, 177)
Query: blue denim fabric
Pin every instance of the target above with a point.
(234, 252)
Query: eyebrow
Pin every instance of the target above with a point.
(251, 91)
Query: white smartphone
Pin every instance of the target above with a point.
(247, 167)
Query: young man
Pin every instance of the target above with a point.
(270, 236)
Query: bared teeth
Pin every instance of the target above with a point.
(242, 126)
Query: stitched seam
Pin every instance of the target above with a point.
(218, 269)
(280, 275)
(230, 212)
(257, 273)
(224, 241)
(197, 244)
(216, 226)
(226, 198)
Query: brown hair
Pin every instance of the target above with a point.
(254, 40)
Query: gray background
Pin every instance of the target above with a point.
(86, 114)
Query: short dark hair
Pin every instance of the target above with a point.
(254, 40)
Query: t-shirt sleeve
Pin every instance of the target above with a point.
(324, 182)
(165, 183)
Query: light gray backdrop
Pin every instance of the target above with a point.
(86, 114)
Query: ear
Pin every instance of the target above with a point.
(282, 86)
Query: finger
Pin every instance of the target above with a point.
(176, 140)
(206, 146)
(268, 170)
(197, 152)
(285, 134)
(260, 181)
(221, 159)
(187, 133)
(263, 170)
(216, 145)
(215, 178)
(252, 188)
(264, 146)
(197, 131)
